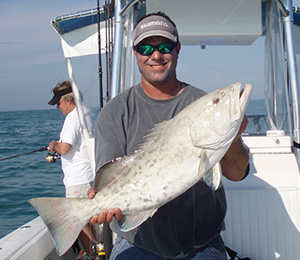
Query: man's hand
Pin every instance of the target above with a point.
(235, 162)
(106, 215)
(243, 126)
(59, 147)
(51, 146)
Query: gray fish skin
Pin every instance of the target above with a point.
(172, 158)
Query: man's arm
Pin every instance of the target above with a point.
(108, 146)
(61, 148)
(235, 162)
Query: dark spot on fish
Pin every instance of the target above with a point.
(151, 151)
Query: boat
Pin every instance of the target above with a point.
(263, 216)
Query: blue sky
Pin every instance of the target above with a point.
(32, 61)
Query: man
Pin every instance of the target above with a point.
(189, 226)
(78, 174)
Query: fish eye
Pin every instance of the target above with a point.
(216, 100)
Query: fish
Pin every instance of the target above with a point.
(172, 158)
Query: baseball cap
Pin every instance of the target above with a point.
(154, 25)
(57, 94)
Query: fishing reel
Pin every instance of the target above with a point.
(99, 251)
(52, 157)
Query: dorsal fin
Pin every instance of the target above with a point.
(151, 136)
(112, 170)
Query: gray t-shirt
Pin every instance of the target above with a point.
(189, 221)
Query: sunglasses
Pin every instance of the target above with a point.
(147, 49)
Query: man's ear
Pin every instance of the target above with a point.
(178, 47)
(134, 52)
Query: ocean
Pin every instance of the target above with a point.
(29, 176)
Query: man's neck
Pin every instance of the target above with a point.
(163, 91)
(71, 108)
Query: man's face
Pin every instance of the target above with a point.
(65, 107)
(157, 68)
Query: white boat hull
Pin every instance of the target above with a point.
(30, 241)
(262, 220)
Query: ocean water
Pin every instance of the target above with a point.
(30, 176)
(27, 176)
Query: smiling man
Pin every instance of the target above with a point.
(189, 226)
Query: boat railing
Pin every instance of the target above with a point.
(257, 125)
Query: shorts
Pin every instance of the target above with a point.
(123, 250)
(78, 191)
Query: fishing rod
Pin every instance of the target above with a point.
(53, 156)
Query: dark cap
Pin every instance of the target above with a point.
(154, 25)
(57, 94)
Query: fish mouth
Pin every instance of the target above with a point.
(241, 95)
(245, 94)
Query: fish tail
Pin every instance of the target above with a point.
(63, 218)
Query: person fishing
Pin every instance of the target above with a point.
(78, 174)
(189, 226)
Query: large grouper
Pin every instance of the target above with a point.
(173, 157)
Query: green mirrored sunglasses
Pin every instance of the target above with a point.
(147, 49)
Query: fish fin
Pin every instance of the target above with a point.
(203, 162)
(213, 177)
(111, 171)
(130, 222)
(151, 136)
(61, 216)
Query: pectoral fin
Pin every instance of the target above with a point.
(213, 177)
(203, 162)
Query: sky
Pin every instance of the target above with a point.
(31, 58)
(32, 62)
